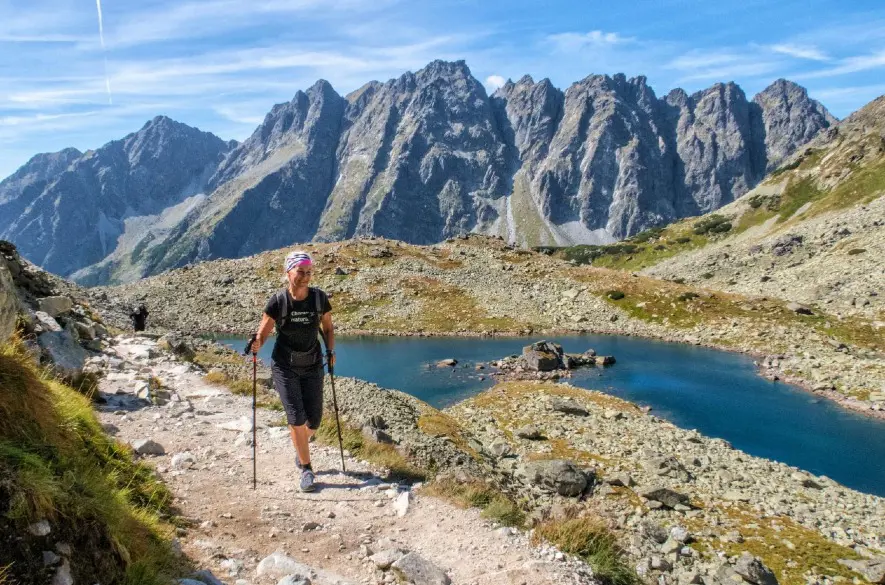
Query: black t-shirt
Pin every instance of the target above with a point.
(298, 331)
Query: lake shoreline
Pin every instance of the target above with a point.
(858, 406)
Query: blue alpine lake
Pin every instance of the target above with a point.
(716, 392)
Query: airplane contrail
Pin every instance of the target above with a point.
(107, 80)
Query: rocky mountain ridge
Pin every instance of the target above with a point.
(430, 155)
(67, 210)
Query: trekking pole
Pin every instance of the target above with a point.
(335, 406)
(254, 406)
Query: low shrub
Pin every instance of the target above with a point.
(716, 224)
(615, 295)
(683, 240)
(649, 234)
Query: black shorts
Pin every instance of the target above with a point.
(301, 392)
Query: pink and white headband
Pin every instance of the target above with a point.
(298, 258)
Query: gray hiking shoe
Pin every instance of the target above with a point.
(307, 479)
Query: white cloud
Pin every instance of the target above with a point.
(850, 65)
(493, 82)
(809, 52)
(210, 18)
(698, 65)
(573, 42)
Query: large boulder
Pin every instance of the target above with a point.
(753, 570)
(63, 352)
(556, 475)
(873, 570)
(568, 406)
(543, 356)
(55, 305)
(8, 302)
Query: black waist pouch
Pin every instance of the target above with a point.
(304, 359)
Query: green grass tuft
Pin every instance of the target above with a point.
(592, 541)
(380, 454)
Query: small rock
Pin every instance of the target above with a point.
(799, 309)
(242, 425)
(41, 528)
(279, 564)
(184, 460)
(147, 447)
(63, 575)
(50, 558)
(621, 479)
(530, 432)
(385, 558)
(665, 496)
(447, 363)
(420, 571)
(401, 504)
(294, 580)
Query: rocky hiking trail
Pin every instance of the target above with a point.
(356, 528)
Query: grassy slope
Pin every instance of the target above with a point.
(57, 464)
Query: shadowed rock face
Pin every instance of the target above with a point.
(78, 214)
(789, 119)
(22, 187)
(421, 158)
(612, 156)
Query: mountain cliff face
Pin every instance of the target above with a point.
(789, 118)
(430, 155)
(78, 214)
(22, 187)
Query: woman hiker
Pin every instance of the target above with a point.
(300, 312)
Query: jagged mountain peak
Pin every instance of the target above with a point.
(440, 68)
(429, 154)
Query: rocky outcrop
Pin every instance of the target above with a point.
(75, 209)
(8, 302)
(789, 119)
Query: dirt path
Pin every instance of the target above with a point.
(334, 530)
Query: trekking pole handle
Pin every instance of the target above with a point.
(248, 347)
(329, 354)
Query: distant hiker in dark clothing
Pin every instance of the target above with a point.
(139, 318)
(300, 313)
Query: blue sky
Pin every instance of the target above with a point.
(221, 64)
